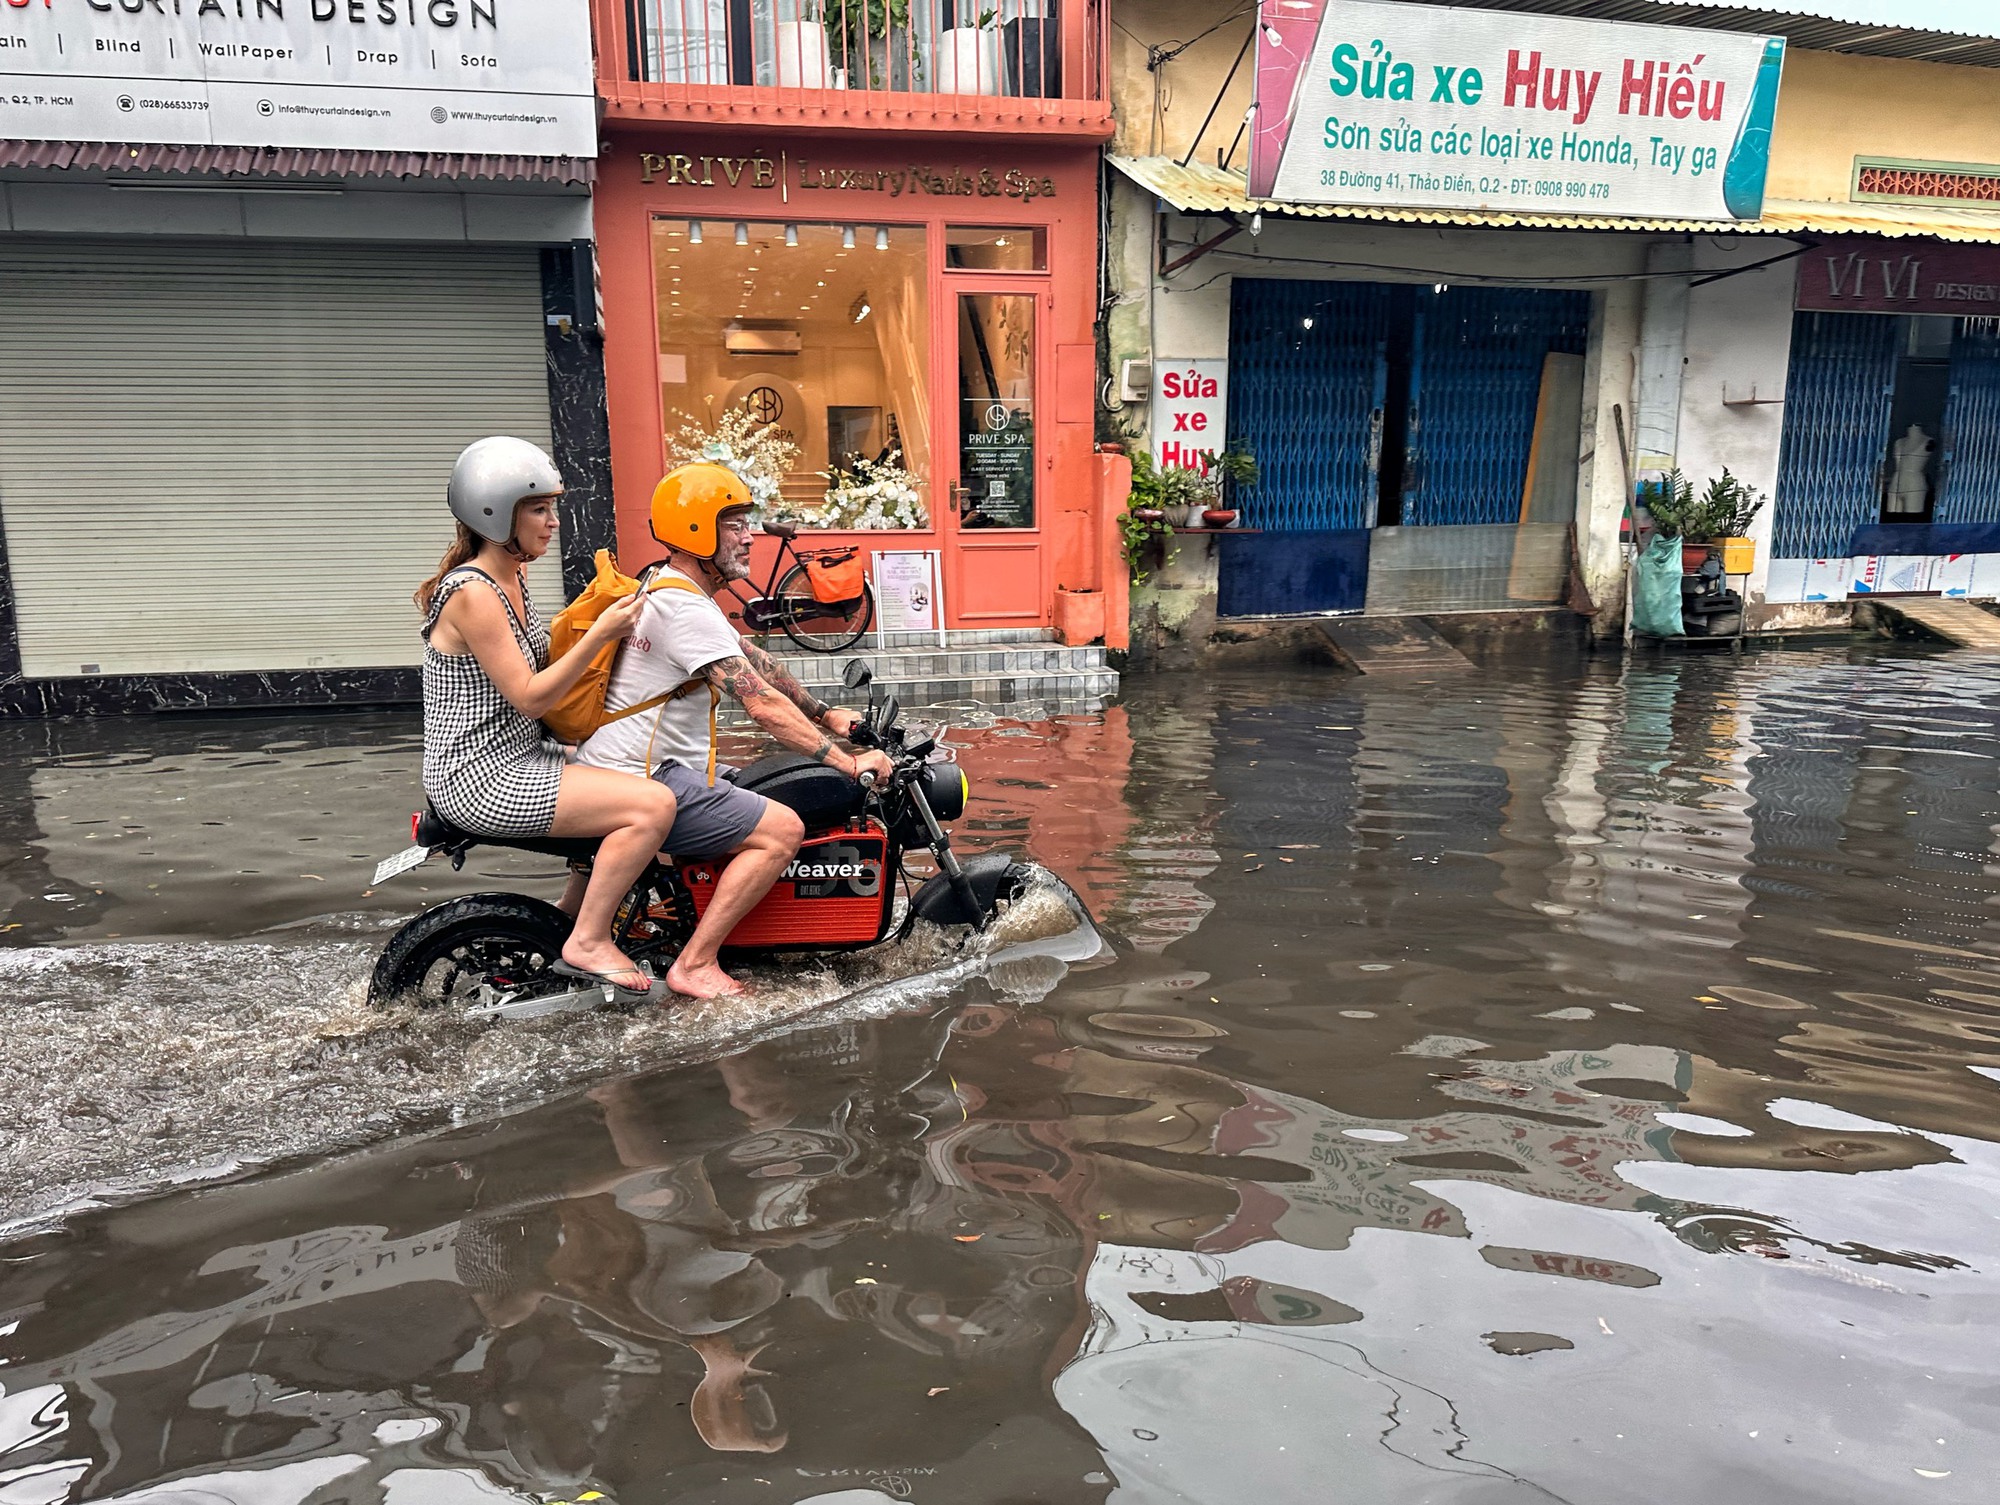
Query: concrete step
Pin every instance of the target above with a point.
(1393, 645)
(976, 662)
(1019, 673)
(1957, 622)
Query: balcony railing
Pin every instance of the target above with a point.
(916, 62)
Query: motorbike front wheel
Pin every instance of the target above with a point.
(451, 956)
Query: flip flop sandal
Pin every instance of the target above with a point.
(655, 991)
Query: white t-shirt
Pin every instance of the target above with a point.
(680, 633)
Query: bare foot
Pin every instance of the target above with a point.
(606, 960)
(706, 980)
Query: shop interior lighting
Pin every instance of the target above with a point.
(742, 233)
(881, 238)
(1257, 223)
(1271, 34)
(694, 232)
(1307, 321)
(1001, 241)
(861, 310)
(1440, 288)
(847, 237)
(791, 235)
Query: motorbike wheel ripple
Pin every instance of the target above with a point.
(444, 955)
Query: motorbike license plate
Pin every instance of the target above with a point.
(402, 862)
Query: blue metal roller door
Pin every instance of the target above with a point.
(1969, 476)
(1306, 369)
(1837, 401)
(1475, 385)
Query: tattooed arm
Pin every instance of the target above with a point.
(837, 719)
(779, 715)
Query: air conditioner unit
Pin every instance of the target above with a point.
(751, 339)
(1135, 381)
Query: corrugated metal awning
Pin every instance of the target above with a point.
(1877, 28)
(1200, 189)
(291, 162)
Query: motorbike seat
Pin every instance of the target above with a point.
(434, 831)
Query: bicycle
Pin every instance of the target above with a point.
(790, 604)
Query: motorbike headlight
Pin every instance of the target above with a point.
(946, 788)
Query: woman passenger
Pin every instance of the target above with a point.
(489, 768)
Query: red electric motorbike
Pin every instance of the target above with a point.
(493, 954)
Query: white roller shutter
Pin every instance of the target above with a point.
(233, 455)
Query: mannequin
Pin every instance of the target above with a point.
(1909, 481)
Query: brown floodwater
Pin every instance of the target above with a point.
(1564, 1082)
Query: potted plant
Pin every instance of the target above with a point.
(1233, 468)
(872, 39)
(801, 48)
(1145, 536)
(968, 50)
(1721, 515)
(1032, 46)
(1731, 507)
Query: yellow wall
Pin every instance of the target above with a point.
(1835, 107)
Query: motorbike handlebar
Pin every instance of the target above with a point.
(866, 778)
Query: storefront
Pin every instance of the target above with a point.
(912, 317)
(242, 351)
(1889, 476)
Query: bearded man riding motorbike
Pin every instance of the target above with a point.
(683, 644)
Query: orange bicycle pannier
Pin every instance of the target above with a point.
(837, 576)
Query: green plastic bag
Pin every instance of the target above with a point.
(1656, 589)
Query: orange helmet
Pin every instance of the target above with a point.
(687, 502)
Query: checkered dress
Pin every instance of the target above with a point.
(487, 768)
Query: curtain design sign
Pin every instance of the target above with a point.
(498, 77)
(1419, 107)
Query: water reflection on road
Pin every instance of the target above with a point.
(1566, 1083)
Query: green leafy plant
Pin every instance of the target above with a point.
(1140, 538)
(1725, 509)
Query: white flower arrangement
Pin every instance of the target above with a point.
(875, 495)
(761, 454)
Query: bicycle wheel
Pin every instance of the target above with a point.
(822, 626)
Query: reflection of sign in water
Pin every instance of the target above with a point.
(997, 463)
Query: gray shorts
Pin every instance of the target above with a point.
(708, 822)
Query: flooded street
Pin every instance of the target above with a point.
(1565, 1082)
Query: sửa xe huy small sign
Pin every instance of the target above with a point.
(1415, 106)
(494, 77)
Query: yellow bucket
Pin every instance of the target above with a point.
(1739, 555)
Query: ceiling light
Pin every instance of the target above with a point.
(1001, 241)
(791, 235)
(1257, 223)
(861, 310)
(742, 233)
(1271, 35)
(694, 232)
(1307, 321)
(847, 237)
(881, 238)
(819, 284)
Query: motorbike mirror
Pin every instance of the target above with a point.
(856, 674)
(891, 708)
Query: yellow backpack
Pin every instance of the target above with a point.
(581, 711)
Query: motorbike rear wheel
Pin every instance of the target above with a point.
(447, 956)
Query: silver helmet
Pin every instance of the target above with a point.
(493, 477)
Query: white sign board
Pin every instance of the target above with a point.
(500, 77)
(1190, 407)
(1416, 106)
(908, 593)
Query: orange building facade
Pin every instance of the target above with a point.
(900, 280)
